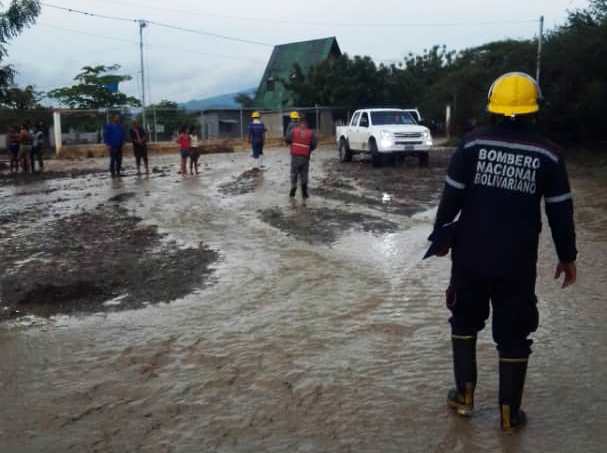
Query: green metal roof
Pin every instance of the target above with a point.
(280, 67)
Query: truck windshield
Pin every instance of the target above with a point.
(391, 117)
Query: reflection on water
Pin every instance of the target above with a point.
(299, 346)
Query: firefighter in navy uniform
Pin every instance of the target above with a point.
(496, 182)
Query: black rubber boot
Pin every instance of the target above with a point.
(304, 191)
(512, 382)
(293, 192)
(461, 398)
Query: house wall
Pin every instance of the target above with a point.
(211, 125)
(223, 124)
(274, 125)
(327, 124)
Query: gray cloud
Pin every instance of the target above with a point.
(184, 66)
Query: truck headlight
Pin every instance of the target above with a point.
(386, 139)
(428, 137)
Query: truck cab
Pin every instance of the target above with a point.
(382, 132)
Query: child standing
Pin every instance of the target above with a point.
(185, 143)
(194, 151)
(25, 148)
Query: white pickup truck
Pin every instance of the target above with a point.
(384, 132)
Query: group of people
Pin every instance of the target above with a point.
(188, 149)
(302, 142)
(114, 138)
(25, 146)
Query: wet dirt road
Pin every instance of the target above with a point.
(288, 328)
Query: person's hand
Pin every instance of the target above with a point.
(443, 252)
(570, 271)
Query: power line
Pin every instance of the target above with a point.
(158, 24)
(150, 46)
(86, 13)
(321, 23)
(206, 33)
(96, 35)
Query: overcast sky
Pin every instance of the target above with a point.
(182, 66)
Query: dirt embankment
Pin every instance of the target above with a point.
(105, 260)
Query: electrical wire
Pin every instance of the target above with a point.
(158, 24)
(152, 46)
(320, 23)
(86, 13)
(95, 35)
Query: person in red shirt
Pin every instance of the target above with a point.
(185, 143)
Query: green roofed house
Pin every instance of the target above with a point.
(271, 94)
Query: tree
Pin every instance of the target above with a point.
(18, 15)
(246, 101)
(94, 89)
(16, 98)
(171, 117)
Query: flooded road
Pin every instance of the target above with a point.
(286, 328)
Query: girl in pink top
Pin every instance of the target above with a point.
(185, 143)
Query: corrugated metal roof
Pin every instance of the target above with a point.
(280, 67)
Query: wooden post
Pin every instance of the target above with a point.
(241, 124)
(57, 132)
(540, 42)
(448, 121)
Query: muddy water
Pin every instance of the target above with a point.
(329, 342)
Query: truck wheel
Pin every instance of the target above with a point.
(345, 153)
(424, 159)
(375, 155)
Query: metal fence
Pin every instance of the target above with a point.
(85, 127)
(234, 123)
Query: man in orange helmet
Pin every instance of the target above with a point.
(496, 182)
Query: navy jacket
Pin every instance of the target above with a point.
(496, 181)
(114, 136)
(257, 132)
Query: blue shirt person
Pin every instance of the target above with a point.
(114, 138)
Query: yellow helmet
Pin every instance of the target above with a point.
(294, 116)
(513, 94)
(256, 115)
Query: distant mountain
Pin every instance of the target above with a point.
(225, 101)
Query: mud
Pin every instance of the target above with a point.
(21, 179)
(323, 225)
(400, 187)
(78, 264)
(122, 197)
(312, 328)
(245, 183)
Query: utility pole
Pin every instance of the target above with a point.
(155, 125)
(540, 42)
(142, 25)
